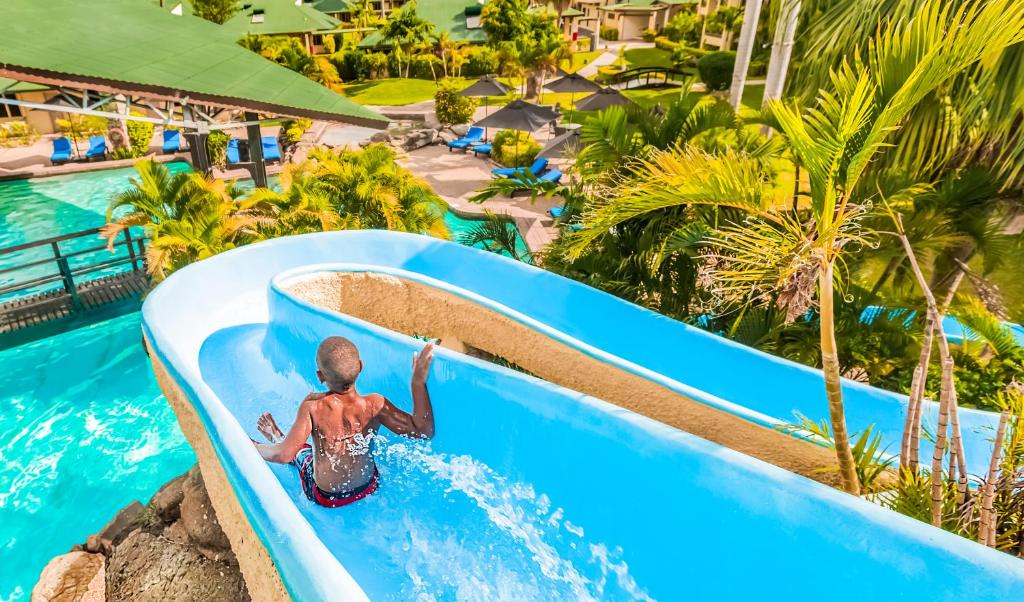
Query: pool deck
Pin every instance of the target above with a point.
(457, 176)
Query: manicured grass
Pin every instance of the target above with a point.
(581, 60)
(647, 57)
(391, 92)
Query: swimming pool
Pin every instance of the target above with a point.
(84, 431)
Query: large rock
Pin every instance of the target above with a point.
(166, 502)
(380, 137)
(200, 519)
(460, 129)
(148, 568)
(446, 136)
(72, 577)
(124, 522)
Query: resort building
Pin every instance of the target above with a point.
(713, 39)
(631, 17)
(275, 18)
(43, 122)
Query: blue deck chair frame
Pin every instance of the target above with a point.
(97, 147)
(172, 141)
(475, 135)
(61, 151)
(537, 167)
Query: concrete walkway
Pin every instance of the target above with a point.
(457, 176)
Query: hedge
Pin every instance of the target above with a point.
(716, 69)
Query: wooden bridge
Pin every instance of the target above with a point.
(76, 274)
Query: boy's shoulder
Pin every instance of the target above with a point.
(376, 400)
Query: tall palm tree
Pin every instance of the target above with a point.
(751, 15)
(782, 49)
(835, 140)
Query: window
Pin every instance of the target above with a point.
(8, 111)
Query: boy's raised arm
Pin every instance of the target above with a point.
(284, 448)
(421, 422)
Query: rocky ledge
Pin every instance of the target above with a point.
(171, 549)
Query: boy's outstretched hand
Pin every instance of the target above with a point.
(421, 364)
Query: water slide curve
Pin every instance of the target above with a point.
(531, 490)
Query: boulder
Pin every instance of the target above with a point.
(97, 545)
(380, 137)
(198, 516)
(461, 129)
(176, 532)
(148, 568)
(72, 577)
(446, 136)
(124, 522)
(166, 502)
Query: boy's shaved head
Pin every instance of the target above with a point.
(338, 361)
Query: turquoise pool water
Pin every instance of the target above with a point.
(84, 431)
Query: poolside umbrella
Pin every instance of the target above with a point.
(572, 83)
(559, 145)
(485, 87)
(519, 115)
(602, 99)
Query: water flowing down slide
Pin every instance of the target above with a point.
(531, 490)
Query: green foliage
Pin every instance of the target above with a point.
(514, 149)
(650, 34)
(17, 133)
(726, 18)
(352, 64)
(716, 69)
(451, 108)
(405, 30)
(215, 11)
(78, 126)
(505, 20)
(481, 60)
(140, 135)
(289, 52)
(683, 27)
(870, 459)
(663, 43)
(609, 34)
(217, 147)
(497, 234)
(292, 131)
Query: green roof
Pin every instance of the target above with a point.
(11, 86)
(267, 17)
(572, 12)
(137, 48)
(332, 6)
(447, 16)
(639, 5)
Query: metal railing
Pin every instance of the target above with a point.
(663, 75)
(68, 265)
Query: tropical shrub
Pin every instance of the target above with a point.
(140, 135)
(215, 11)
(352, 64)
(663, 43)
(482, 60)
(683, 27)
(609, 34)
(505, 20)
(377, 65)
(18, 133)
(292, 131)
(716, 68)
(425, 66)
(583, 44)
(217, 147)
(452, 109)
(649, 34)
(514, 149)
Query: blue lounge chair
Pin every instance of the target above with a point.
(482, 149)
(271, 151)
(552, 176)
(473, 136)
(61, 151)
(537, 167)
(233, 151)
(172, 141)
(97, 147)
(557, 212)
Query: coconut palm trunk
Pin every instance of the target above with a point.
(833, 381)
(751, 14)
(910, 447)
(986, 520)
(782, 49)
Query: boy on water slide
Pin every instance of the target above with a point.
(339, 468)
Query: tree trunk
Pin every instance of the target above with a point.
(986, 521)
(833, 382)
(911, 427)
(751, 14)
(532, 85)
(782, 49)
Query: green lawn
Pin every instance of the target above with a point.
(581, 60)
(391, 92)
(647, 57)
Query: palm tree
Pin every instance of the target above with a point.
(751, 15)
(187, 216)
(405, 30)
(782, 49)
(497, 234)
(792, 255)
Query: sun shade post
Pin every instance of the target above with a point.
(256, 166)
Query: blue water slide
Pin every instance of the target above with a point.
(530, 490)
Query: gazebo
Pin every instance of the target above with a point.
(182, 72)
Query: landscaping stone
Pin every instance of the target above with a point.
(166, 502)
(72, 577)
(447, 136)
(198, 516)
(460, 130)
(380, 137)
(127, 519)
(146, 567)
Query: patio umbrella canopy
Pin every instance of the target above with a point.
(573, 82)
(485, 86)
(602, 99)
(519, 115)
(561, 144)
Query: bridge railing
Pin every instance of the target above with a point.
(645, 74)
(66, 262)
